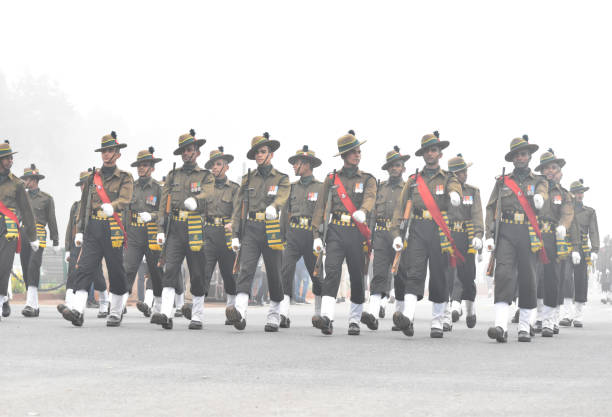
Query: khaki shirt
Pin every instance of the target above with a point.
(14, 196)
(387, 197)
(71, 228)
(221, 202)
(441, 184)
(44, 212)
(302, 200)
(469, 209)
(147, 196)
(533, 184)
(119, 187)
(273, 190)
(187, 182)
(360, 188)
(586, 221)
(559, 208)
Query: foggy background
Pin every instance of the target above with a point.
(480, 72)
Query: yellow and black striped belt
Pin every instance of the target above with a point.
(216, 221)
(137, 221)
(342, 219)
(301, 222)
(514, 217)
(257, 216)
(422, 214)
(548, 226)
(383, 224)
(458, 225)
(99, 215)
(182, 215)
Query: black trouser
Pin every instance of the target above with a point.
(513, 254)
(566, 283)
(177, 249)
(30, 262)
(216, 251)
(344, 242)
(99, 281)
(255, 244)
(138, 246)
(299, 244)
(581, 280)
(423, 248)
(97, 245)
(465, 272)
(7, 256)
(548, 274)
(384, 254)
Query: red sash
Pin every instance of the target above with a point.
(510, 183)
(433, 208)
(350, 207)
(8, 213)
(104, 197)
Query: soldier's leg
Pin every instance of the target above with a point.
(196, 262)
(355, 262)
(132, 261)
(290, 256)
(581, 284)
(310, 261)
(334, 257)
(210, 255)
(414, 260)
(527, 283)
(383, 258)
(153, 286)
(438, 279)
(551, 282)
(226, 266)
(250, 251)
(24, 257)
(272, 260)
(91, 255)
(7, 255)
(71, 276)
(176, 248)
(505, 275)
(399, 287)
(116, 276)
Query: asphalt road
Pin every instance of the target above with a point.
(50, 368)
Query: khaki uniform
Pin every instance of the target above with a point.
(515, 261)
(297, 222)
(424, 239)
(187, 181)
(14, 196)
(264, 190)
(344, 240)
(586, 223)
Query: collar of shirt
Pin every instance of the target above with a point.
(33, 193)
(271, 173)
(222, 183)
(306, 180)
(395, 182)
(437, 171)
(144, 182)
(350, 172)
(190, 168)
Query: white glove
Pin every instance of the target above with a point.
(477, 243)
(575, 258)
(538, 201)
(398, 244)
(454, 198)
(108, 210)
(271, 213)
(161, 238)
(35, 245)
(594, 257)
(235, 244)
(359, 216)
(490, 244)
(561, 232)
(145, 216)
(190, 204)
(78, 240)
(317, 245)
(67, 257)
(479, 257)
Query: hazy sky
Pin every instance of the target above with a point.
(480, 72)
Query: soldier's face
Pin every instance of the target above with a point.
(190, 153)
(6, 163)
(432, 155)
(551, 170)
(462, 176)
(353, 157)
(31, 183)
(579, 197)
(145, 169)
(521, 159)
(396, 169)
(263, 155)
(109, 156)
(300, 167)
(219, 167)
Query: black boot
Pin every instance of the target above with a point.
(6, 309)
(455, 314)
(74, 317)
(354, 329)
(565, 322)
(327, 326)
(317, 321)
(498, 334)
(233, 315)
(195, 325)
(369, 320)
(144, 308)
(515, 319)
(404, 323)
(271, 328)
(381, 312)
(524, 336)
(470, 321)
(436, 333)
(30, 311)
(113, 321)
(447, 327)
(538, 326)
(285, 322)
(186, 310)
(61, 308)
(546, 332)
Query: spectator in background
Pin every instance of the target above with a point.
(301, 277)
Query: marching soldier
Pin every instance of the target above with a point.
(387, 196)
(588, 232)
(72, 254)
(297, 221)
(101, 232)
(185, 191)
(15, 209)
(266, 191)
(555, 221)
(353, 195)
(142, 226)
(467, 230)
(31, 260)
(431, 192)
(521, 193)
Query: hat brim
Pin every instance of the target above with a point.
(314, 161)
(532, 148)
(37, 176)
(119, 146)
(154, 160)
(8, 154)
(559, 161)
(402, 158)
(351, 148)
(273, 144)
(198, 142)
(229, 158)
(582, 190)
(467, 165)
(443, 144)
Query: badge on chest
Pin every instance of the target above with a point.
(273, 190)
(195, 187)
(151, 200)
(440, 189)
(557, 199)
(468, 200)
(313, 196)
(530, 189)
(358, 188)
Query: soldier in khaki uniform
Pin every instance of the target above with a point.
(296, 219)
(556, 220)
(188, 188)
(72, 254)
(387, 196)
(15, 209)
(104, 235)
(517, 241)
(345, 240)
(44, 214)
(141, 226)
(588, 245)
(268, 194)
(467, 229)
(424, 246)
